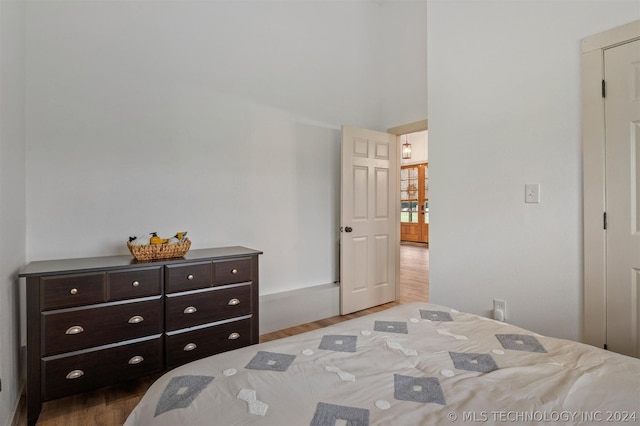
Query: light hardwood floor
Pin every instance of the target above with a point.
(110, 406)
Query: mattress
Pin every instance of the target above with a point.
(414, 364)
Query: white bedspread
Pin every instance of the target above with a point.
(415, 364)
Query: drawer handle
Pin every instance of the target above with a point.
(136, 319)
(75, 374)
(234, 336)
(190, 310)
(135, 283)
(233, 302)
(76, 329)
(234, 271)
(136, 360)
(74, 291)
(189, 277)
(190, 347)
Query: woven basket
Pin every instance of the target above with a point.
(159, 251)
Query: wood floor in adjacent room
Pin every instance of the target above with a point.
(110, 406)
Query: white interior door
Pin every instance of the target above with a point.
(622, 189)
(369, 225)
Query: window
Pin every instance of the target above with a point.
(409, 193)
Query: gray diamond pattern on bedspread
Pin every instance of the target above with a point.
(520, 342)
(180, 392)
(391, 327)
(417, 389)
(329, 414)
(435, 315)
(482, 363)
(270, 361)
(339, 343)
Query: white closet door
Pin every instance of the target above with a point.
(622, 186)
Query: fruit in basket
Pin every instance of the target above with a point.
(154, 239)
(180, 237)
(160, 248)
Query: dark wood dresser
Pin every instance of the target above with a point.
(93, 322)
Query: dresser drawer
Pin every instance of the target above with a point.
(134, 283)
(204, 306)
(232, 271)
(62, 291)
(188, 346)
(65, 375)
(75, 329)
(188, 277)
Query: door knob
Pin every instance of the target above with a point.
(348, 229)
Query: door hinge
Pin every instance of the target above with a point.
(604, 89)
(604, 220)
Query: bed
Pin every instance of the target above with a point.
(413, 364)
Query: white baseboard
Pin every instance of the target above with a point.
(290, 308)
(20, 403)
(18, 406)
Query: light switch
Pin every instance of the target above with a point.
(532, 193)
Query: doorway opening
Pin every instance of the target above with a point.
(413, 202)
(414, 220)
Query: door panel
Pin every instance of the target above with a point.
(359, 260)
(369, 224)
(382, 193)
(622, 189)
(381, 261)
(360, 193)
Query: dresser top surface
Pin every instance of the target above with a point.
(60, 266)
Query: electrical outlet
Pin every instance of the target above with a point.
(499, 310)
(532, 193)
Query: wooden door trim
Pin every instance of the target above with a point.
(618, 35)
(593, 165)
(416, 126)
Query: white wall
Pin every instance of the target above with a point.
(402, 36)
(12, 199)
(504, 110)
(219, 118)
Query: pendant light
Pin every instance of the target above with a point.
(406, 148)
